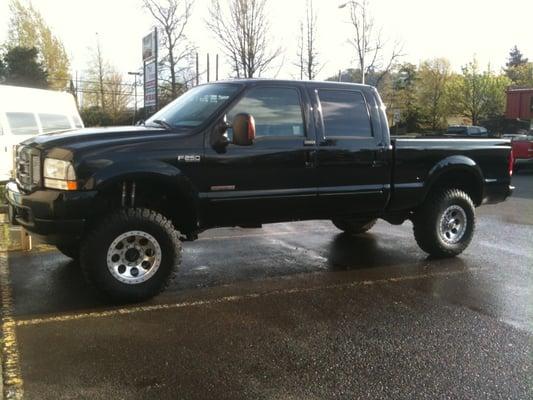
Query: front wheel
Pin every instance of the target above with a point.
(445, 224)
(131, 255)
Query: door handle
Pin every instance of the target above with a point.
(309, 142)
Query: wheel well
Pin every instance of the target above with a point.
(466, 181)
(157, 195)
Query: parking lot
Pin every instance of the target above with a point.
(290, 311)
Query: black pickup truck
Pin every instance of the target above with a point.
(244, 153)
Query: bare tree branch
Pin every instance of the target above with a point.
(307, 49)
(368, 43)
(243, 31)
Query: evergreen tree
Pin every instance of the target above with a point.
(21, 67)
(516, 58)
(28, 29)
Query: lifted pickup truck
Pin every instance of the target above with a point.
(244, 153)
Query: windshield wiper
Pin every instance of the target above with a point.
(164, 124)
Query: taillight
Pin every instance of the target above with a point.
(511, 162)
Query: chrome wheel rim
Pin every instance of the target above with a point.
(134, 257)
(452, 225)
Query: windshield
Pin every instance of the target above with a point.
(195, 106)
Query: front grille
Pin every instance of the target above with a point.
(28, 168)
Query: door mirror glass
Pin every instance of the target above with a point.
(243, 126)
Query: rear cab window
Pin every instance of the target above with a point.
(22, 123)
(345, 114)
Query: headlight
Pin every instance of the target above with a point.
(59, 174)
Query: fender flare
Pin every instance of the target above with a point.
(455, 163)
(156, 172)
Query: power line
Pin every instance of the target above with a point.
(108, 92)
(95, 82)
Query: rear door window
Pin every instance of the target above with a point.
(54, 122)
(22, 123)
(345, 114)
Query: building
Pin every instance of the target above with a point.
(519, 104)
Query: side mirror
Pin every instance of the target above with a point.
(243, 129)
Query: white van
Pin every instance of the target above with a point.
(26, 112)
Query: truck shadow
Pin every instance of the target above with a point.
(365, 251)
(48, 282)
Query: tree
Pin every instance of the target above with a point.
(516, 58)
(403, 96)
(28, 29)
(522, 75)
(2, 70)
(105, 94)
(94, 86)
(307, 49)
(21, 67)
(433, 77)
(243, 31)
(519, 70)
(368, 43)
(476, 95)
(172, 17)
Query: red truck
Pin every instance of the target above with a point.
(522, 148)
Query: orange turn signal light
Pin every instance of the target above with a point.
(72, 185)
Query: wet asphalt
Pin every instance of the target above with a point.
(293, 311)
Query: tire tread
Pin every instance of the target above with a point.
(123, 216)
(424, 232)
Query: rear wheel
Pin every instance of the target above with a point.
(353, 226)
(131, 255)
(71, 250)
(445, 224)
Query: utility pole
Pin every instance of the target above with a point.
(208, 68)
(216, 68)
(135, 74)
(197, 71)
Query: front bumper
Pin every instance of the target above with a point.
(56, 215)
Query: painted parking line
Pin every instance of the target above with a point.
(11, 375)
(231, 299)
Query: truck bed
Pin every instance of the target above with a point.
(417, 161)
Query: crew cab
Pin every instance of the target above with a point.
(245, 153)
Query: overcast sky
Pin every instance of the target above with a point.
(455, 29)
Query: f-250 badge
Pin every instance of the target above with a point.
(189, 158)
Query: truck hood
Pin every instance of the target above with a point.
(86, 137)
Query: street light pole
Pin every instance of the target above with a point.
(136, 74)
